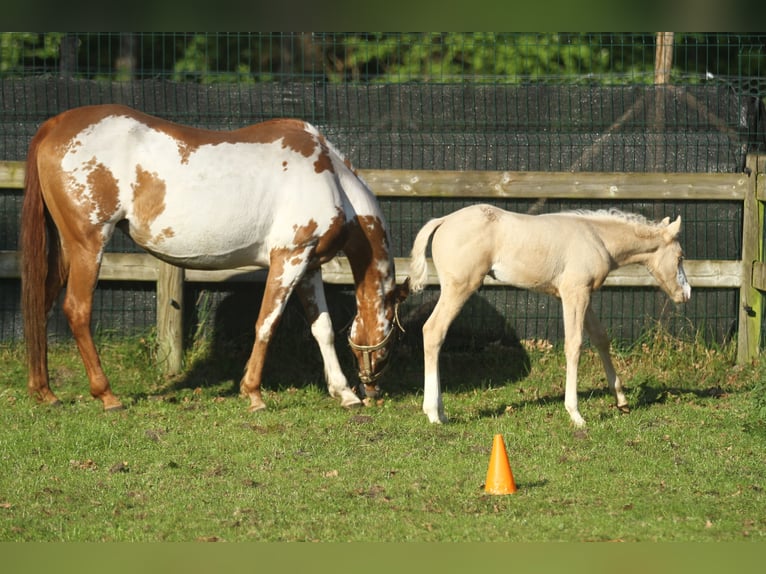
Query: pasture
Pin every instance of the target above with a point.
(185, 461)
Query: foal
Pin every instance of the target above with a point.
(567, 255)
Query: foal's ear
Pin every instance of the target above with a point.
(674, 228)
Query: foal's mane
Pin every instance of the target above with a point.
(615, 214)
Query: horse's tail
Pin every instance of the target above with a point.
(42, 266)
(418, 265)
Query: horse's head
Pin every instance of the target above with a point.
(374, 357)
(666, 264)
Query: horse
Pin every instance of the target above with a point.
(567, 255)
(275, 194)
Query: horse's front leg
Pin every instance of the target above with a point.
(280, 283)
(311, 293)
(600, 340)
(574, 306)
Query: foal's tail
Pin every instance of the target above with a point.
(42, 266)
(418, 265)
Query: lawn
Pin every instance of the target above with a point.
(185, 461)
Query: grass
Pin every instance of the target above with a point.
(186, 461)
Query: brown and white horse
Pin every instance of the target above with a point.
(567, 255)
(275, 194)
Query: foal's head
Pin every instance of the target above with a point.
(666, 264)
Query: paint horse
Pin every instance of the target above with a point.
(275, 194)
(567, 255)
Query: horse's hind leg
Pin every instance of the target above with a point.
(600, 340)
(78, 307)
(451, 300)
(312, 296)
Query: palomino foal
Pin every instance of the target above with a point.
(567, 255)
(275, 194)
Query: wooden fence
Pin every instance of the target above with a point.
(748, 274)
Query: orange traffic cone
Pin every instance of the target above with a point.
(499, 475)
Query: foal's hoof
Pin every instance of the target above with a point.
(114, 408)
(625, 409)
(256, 408)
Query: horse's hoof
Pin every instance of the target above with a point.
(256, 408)
(625, 409)
(114, 408)
(353, 406)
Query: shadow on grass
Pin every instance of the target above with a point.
(294, 361)
(642, 394)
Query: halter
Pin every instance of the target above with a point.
(365, 374)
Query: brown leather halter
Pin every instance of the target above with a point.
(366, 374)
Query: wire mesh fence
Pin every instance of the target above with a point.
(442, 101)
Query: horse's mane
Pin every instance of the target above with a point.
(613, 213)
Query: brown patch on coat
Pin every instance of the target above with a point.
(105, 192)
(367, 245)
(148, 204)
(324, 161)
(328, 244)
(306, 233)
(99, 195)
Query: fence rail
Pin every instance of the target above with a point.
(747, 274)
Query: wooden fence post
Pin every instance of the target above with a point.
(750, 298)
(170, 300)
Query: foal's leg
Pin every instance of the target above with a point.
(575, 302)
(78, 307)
(600, 340)
(283, 275)
(311, 293)
(452, 298)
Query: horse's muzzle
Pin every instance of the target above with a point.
(369, 370)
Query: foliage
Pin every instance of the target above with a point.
(449, 57)
(16, 49)
(610, 58)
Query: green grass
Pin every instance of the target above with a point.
(186, 461)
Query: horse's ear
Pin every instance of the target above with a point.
(403, 290)
(665, 222)
(674, 228)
